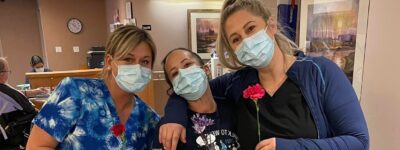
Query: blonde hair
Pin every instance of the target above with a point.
(123, 40)
(225, 52)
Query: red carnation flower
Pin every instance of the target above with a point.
(118, 129)
(255, 92)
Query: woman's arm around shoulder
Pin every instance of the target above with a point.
(174, 122)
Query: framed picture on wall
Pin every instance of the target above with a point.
(203, 27)
(336, 29)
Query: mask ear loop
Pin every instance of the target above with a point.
(267, 27)
(109, 67)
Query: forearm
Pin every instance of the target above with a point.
(33, 147)
(175, 111)
(33, 92)
(28, 93)
(40, 139)
(345, 142)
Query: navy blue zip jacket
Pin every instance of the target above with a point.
(331, 99)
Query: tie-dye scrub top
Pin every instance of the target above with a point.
(80, 113)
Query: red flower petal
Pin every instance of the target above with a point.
(118, 129)
(255, 92)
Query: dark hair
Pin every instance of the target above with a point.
(192, 54)
(36, 60)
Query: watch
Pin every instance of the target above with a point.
(74, 25)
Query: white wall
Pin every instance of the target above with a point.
(19, 36)
(380, 96)
(55, 33)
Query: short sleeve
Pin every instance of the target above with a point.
(61, 111)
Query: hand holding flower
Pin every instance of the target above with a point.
(255, 93)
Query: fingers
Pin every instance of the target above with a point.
(164, 137)
(168, 139)
(261, 145)
(269, 147)
(175, 139)
(268, 144)
(170, 134)
(37, 91)
(183, 135)
(160, 133)
(45, 90)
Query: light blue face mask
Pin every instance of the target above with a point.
(256, 51)
(41, 69)
(132, 78)
(190, 83)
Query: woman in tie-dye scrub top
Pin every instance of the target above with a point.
(103, 113)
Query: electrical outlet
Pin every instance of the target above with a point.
(76, 49)
(58, 49)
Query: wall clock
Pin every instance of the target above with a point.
(74, 25)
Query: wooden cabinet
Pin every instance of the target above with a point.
(51, 79)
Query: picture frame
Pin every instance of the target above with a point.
(203, 27)
(336, 29)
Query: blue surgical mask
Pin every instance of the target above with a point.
(190, 83)
(132, 78)
(41, 69)
(256, 51)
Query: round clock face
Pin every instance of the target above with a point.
(74, 25)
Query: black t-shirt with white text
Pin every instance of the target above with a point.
(210, 131)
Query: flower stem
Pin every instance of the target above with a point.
(123, 142)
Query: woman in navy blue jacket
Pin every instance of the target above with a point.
(308, 104)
